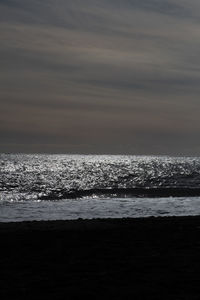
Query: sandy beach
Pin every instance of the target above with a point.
(152, 258)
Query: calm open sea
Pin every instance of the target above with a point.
(51, 187)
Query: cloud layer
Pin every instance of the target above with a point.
(100, 76)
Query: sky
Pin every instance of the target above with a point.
(100, 76)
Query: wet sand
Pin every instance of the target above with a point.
(152, 258)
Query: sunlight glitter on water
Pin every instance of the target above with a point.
(45, 187)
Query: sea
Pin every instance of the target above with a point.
(67, 187)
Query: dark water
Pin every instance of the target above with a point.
(73, 186)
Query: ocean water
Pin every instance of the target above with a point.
(53, 187)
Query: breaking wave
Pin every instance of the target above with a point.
(55, 177)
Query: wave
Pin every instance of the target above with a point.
(57, 177)
(122, 193)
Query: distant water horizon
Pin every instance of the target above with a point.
(71, 186)
(99, 154)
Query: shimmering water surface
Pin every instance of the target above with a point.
(44, 187)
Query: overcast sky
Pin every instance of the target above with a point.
(106, 76)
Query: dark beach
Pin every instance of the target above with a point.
(152, 258)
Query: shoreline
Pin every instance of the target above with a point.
(61, 222)
(81, 224)
(143, 258)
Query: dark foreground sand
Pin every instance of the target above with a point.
(154, 258)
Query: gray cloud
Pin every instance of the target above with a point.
(100, 76)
